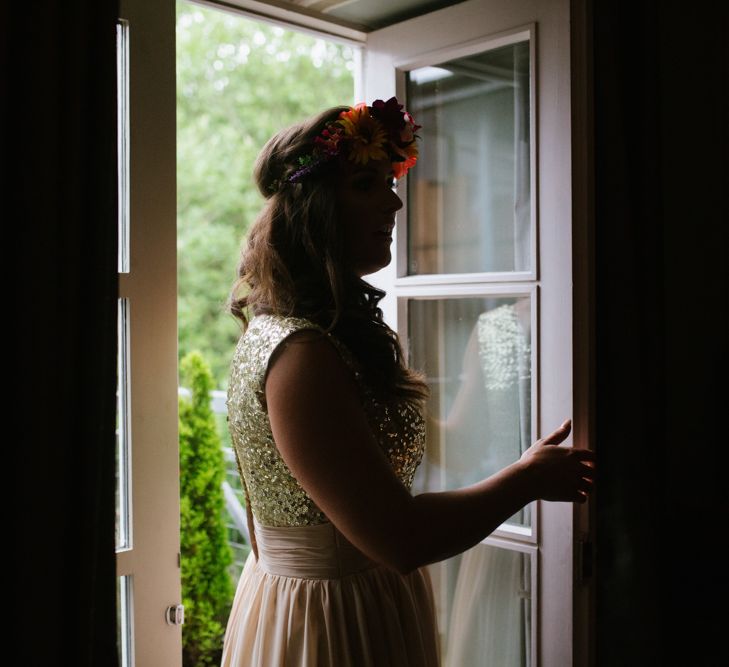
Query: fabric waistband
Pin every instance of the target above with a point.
(308, 552)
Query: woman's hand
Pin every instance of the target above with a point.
(559, 473)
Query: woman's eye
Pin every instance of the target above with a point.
(367, 183)
(363, 184)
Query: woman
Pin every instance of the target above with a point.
(327, 423)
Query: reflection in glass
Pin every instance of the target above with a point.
(124, 639)
(469, 196)
(123, 480)
(476, 354)
(489, 608)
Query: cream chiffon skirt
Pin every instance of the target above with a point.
(313, 600)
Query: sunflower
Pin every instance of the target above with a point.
(366, 135)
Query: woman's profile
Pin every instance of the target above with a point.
(327, 420)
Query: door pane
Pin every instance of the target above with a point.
(489, 620)
(476, 354)
(469, 196)
(123, 449)
(124, 638)
(122, 141)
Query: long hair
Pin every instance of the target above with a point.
(293, 263)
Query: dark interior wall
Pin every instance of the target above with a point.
(59, 247)
(660, 72)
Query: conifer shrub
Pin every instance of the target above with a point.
(206, 556)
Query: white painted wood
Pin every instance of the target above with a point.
(297, 19)
(441, 290)
(444, 278)
(151, 288)
(423, 41)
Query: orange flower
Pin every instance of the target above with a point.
(399, 169)
(410, 153)
(365, 134)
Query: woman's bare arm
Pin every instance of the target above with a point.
(321, 430)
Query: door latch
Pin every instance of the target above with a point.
(175, 614)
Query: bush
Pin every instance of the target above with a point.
(205, 553)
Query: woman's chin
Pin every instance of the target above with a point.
(370, 269)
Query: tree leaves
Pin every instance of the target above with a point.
(238, 83)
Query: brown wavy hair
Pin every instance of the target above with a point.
(293, 264)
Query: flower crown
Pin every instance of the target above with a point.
(364, 133)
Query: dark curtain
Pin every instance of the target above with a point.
(660, 73)
(60, 237)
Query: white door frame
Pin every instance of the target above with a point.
(150, 287)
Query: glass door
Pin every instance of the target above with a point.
(468, 299)
(149, 614)
(480, 294)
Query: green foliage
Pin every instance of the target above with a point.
(238, 83)
(206, 555)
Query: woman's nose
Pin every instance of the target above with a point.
(394, 203)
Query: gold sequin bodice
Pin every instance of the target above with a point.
(276, 498)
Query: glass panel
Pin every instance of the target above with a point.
(469, 196)
(123, 481)
(124, 639)
(476, 354)
(122, 141)
(489, 610)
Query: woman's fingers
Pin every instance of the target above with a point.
(588, 471)
(586, 465)
(558, 435)
(566, 473)
(585, 485)
(585, 455)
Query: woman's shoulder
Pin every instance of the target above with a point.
(270, 332)
(274, 328)
(266, 337)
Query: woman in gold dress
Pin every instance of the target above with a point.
(327, 421)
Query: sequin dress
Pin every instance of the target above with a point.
(309, 597)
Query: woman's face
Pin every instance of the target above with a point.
(366, 205)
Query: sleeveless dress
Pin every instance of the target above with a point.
(307, 597)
